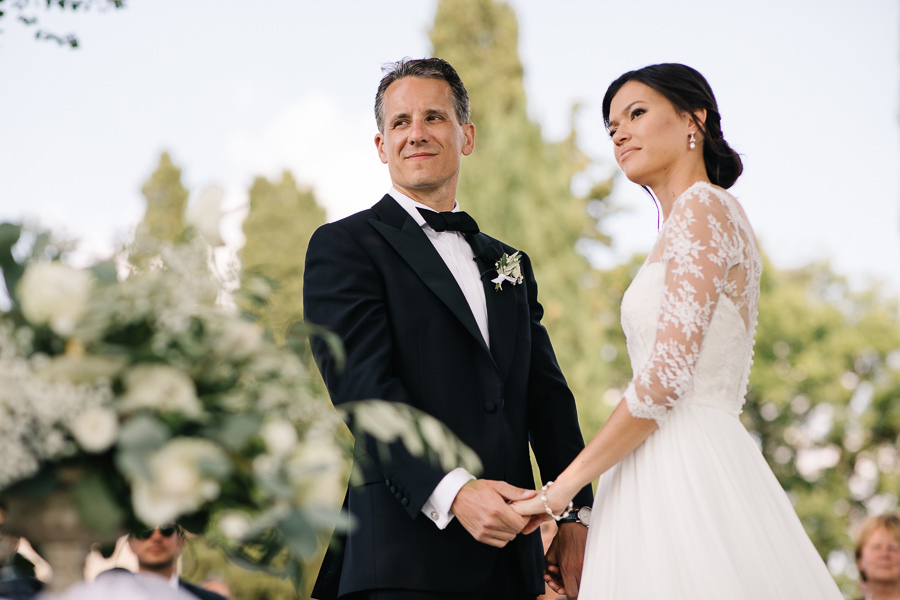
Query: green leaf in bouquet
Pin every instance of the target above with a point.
(234, 431)
(214, 466)
(138, 438)
(419, 432)
(299, 534)
(144, 432)
(327, 518)
(96, 503)
(133, 464)
(105, 272)
(299, 332)
(12, 271)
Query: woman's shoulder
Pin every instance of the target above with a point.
(703, 197)
(703, 193)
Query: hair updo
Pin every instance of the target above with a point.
(688, 91)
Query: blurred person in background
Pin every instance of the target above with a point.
(157, 551)
(878, 557)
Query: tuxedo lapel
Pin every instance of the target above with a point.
(501, 304)
(411, 243)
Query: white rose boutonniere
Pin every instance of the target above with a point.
(508, 269)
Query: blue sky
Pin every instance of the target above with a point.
(808, 90)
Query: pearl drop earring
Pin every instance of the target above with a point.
(693, 141)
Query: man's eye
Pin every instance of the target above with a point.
(399, 123)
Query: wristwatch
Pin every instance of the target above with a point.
(578, 515)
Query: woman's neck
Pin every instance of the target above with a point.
(667, 190)
(882, 591)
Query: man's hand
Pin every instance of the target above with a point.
(565, 558)
(482, 508)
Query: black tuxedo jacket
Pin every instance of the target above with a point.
(377, 281)
(200, 592)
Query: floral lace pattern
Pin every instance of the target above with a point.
(708, 254)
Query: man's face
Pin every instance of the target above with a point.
(158, 552)
(423, 142)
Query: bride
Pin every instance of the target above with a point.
(686, 507)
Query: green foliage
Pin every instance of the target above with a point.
(163, 220)
(203, 561)
(282, 219)
(518, 185)
(27, 15)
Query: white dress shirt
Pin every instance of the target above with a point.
(460, 259)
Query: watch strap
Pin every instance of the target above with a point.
(571, 516)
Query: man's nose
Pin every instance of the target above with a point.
(417, 132)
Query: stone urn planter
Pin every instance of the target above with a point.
(52, 524)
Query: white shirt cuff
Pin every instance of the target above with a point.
(437, 507)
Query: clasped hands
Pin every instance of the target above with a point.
(495, 512)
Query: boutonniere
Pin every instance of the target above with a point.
(508, 269)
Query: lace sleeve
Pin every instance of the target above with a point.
(700, 242)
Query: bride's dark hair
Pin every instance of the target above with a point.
(688, 91)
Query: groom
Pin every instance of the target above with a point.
(410, 293)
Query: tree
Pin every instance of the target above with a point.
(519, 186)
(163, 220)
(28, 17)
(282, 219)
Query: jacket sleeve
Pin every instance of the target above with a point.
(344, 291)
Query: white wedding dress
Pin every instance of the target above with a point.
(695, 512)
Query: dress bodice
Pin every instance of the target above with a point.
(690, 314)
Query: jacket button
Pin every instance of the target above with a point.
(490, 406)
(405, 501)
(393, 489)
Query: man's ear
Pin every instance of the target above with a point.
(379, 145)
(469, 144)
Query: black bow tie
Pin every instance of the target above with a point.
(449, 221)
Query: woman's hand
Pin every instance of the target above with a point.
(536, 507)
(533, 508)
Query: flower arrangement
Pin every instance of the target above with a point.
(155, 403)
(508, 269)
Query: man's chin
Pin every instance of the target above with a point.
(158, 565)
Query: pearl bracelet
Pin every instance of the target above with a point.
(547, 507)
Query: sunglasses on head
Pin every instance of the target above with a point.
(164, 530)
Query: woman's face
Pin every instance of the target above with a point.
(880, 557)
(649, 135)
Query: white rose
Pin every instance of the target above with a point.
(279, 436)
(204, 214)
(95, 429)
(177, 485)
(234, 525)
(54, 294)
(161, 388)
(319, 469)
(239, 339)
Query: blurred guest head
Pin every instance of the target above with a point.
(157, 549)
(878, 556)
